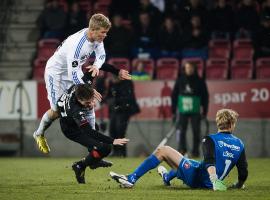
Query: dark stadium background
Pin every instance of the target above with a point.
(230, 46)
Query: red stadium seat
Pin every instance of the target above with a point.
(216, 69)
(85, 6)
(243, 49)
(219, 48)
(101, 7)
(120, 63)
(167, 68)
(46, 47)
(40, 63)
(167, 72)
(263, 68)
(241, 69)
(148, 64)
(198, 62)
(39, 67)
(107, 2)
(63, 5)
(48, 43)
(127, 24)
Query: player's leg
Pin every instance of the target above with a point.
(46, 121)
(54, 89)
(97, 151)
(165, 175)
(172, 158)
(38, 135)
(93, 160)
(165, 153)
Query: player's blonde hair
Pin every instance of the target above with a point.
(225, 118)
(98, 21)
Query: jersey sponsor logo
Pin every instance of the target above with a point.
(102, 57)
(228, 154)
(231, 146)
(75, 63)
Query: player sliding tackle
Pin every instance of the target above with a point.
(74, 107)
(221, 151)
(64, 68)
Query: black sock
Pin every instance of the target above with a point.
(89, 160)
(92, 158)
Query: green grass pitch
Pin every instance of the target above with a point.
(52, 178)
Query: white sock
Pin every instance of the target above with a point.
(44, 124)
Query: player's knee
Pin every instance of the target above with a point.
(161, 152)
(53, 114)
(105, 150)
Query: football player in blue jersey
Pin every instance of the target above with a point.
(222, 151)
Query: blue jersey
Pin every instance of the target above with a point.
(228, 149)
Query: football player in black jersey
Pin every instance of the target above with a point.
(74, 106)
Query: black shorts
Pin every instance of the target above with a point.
(85, 139)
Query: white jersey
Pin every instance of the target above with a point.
(68, 59)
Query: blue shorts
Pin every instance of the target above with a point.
(189, 172)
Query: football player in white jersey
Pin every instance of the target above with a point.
(64, 68)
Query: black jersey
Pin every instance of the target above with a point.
(75, 118)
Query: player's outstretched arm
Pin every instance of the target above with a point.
(120, 141)
(209, 160)
(124, 75)
(121, 73)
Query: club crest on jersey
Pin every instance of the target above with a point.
(186, 165)
(75, 63)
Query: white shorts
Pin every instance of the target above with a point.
(91, 118)
(56, 85)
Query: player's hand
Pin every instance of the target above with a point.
(237, 185)
(120, 141)
(218, 185)
(97, 95)
(93, 70)
(124, 75)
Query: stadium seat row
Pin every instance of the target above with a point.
(221, 48)
(87, 6)
(169, 68)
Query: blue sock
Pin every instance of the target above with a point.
(149, 163)
(171, 175)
